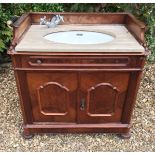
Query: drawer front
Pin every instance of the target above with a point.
(77, 62)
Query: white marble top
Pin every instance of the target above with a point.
(34, 40)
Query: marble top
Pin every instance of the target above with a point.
(34, 41)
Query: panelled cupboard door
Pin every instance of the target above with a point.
(53, 96)
(102, 95)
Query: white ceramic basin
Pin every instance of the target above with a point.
(79, 37)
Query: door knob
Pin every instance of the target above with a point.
(82, 104)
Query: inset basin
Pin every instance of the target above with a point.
(79, 37)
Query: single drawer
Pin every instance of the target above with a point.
(75, 61)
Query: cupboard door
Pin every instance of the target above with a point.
(102, 95)
(53, 96)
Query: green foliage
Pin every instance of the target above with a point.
(5, 32)
(145, 12)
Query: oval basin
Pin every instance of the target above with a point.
(79, 37)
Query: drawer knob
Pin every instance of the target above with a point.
(39, 61)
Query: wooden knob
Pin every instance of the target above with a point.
(39, 61)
